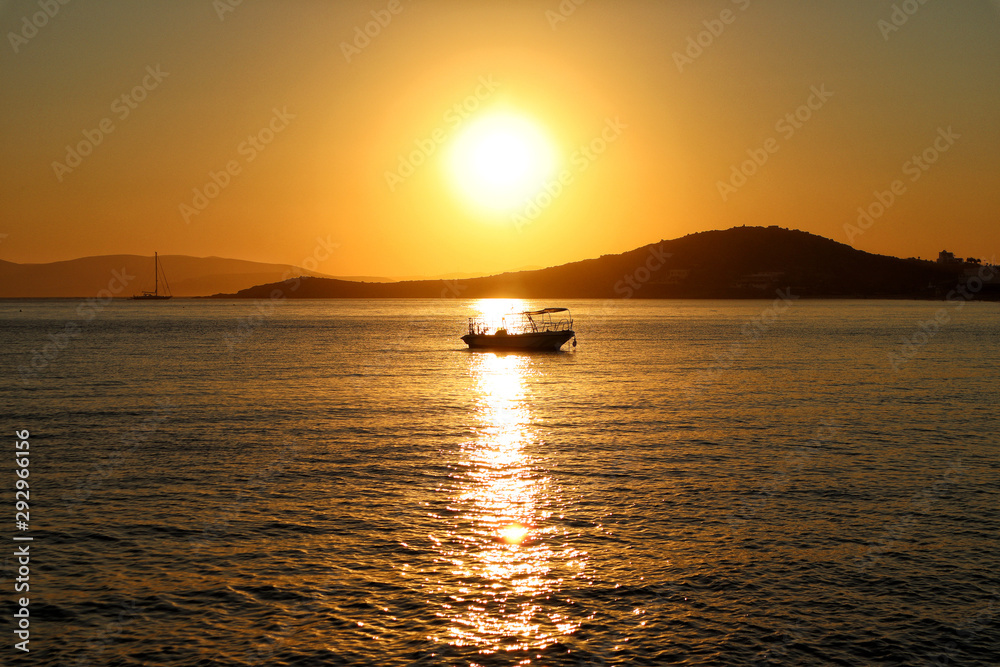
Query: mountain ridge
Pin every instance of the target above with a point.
(186, 275)
(740, 262)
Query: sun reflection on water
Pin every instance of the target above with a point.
(504, 573)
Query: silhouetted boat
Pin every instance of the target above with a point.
(155, 294)
(530, 330)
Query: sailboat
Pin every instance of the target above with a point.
(155, 294)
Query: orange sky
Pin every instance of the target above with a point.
(309, 119)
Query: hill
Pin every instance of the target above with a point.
(742, 262)
(187, 276)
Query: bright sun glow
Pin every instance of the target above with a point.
(500, 161)
(494, 309)
(513, 533)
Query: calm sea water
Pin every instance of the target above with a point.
(341, 482)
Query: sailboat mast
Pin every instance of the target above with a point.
(156, 275)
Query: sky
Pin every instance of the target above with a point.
(395, 138)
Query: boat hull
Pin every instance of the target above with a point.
(542, 340)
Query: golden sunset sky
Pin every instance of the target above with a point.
(425, 137)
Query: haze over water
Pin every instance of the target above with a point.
(341, 482)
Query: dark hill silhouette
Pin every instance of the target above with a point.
(187, 276)
(86, 276)
(742, 262)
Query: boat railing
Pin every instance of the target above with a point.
(491, 325)
(518, 323)
(544, 322)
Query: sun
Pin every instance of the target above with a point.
(501, 160)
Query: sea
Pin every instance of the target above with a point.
(343, 482)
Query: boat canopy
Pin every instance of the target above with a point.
(545, 311)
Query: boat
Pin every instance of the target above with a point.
(155, 294)
(530, 330)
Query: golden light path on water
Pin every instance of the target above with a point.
(500, 545)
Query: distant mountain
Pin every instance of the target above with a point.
(443, 276)
(187, 276)
(742, 262)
